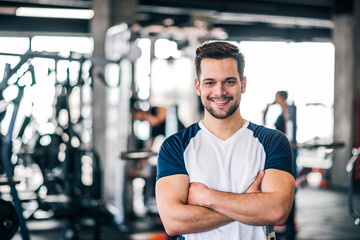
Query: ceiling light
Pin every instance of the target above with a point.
(7, 10)
(281, 20)
(55, 13)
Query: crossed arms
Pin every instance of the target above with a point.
(190, 208)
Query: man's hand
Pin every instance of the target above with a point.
(254, 188)
(180, 217)
(197, 194)
(198, 191)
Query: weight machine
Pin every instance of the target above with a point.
(63, 193)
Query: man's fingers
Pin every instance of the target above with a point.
(197, 193)
(258, 179)
(256, 184)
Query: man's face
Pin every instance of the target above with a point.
(220, 86)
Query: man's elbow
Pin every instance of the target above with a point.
(280, 216)
(171, 232)
(172, 229)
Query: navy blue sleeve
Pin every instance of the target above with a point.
(170, 158)
(279, 153)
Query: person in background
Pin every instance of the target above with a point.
(209, 174)
(156, 117)
(280, 124)
(280, 98)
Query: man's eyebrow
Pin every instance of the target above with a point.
(231, 78)
(212, 79)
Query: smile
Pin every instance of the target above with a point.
(220, 102)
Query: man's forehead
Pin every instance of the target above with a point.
(219, 67)
(218, 59)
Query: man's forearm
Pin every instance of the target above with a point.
(271, 206)
(185, 219)
(252, 209)
(177, 215)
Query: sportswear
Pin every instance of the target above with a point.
(229, 165)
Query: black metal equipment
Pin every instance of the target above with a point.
(349, 168)
(6, 146)
(9, 221)
(67, 197)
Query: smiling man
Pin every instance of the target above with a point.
(209, 174)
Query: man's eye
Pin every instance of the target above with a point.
(209, 83)
(230, 82)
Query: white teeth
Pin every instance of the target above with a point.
(220, 102)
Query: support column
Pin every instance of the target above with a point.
(111, 104)
(343, 39)
(357, 47)
(357, 83)
(100, 23)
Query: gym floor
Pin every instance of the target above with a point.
(321, 214)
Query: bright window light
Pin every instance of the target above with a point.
(38, 99)
(165, 49)
(305, 70)
(142, 129)
(142, 74)
(17, 45)
(55, 13)
(62, 44)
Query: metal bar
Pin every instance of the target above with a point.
(349, 168)
(94, 59)
(6, 161)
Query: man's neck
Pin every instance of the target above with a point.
(224, 128)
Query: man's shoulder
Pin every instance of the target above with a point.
(170, 157)
(186, 133)
(260, 130)
(276, 146)
(184, 136)
(267, 136)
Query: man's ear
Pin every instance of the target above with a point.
(197, 86)
(243, 84)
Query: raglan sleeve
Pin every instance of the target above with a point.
(279, 153)
(171, 158)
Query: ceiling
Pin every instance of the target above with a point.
(294, 20)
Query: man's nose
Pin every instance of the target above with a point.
(220, 89)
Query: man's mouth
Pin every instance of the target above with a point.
(220, 101)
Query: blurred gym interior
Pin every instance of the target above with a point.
(89, 89)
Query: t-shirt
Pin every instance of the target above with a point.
(229, 165)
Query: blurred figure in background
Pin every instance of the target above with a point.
(156, 117)
(280, 98)
(160, 120)
(281, 125)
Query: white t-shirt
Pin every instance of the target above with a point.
(229, 165)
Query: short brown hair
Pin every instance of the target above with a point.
(219, 50)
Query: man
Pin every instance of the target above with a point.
(280, 98)
(209, 173)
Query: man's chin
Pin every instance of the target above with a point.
(221, 114)
(218, 115)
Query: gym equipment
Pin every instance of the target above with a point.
(137, 155)
(6, 148)
(9, 221)
(349, 168)
(66, 195)
(335, 144)
(136, 162)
